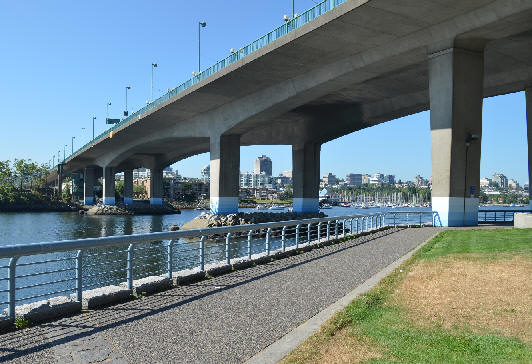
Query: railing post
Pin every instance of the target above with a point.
(12, 287)
(79, 276)
(420, 219)
(394, 222)
(228, 248)
(170, 257)
(130, 266)
(328, 230)
(297, 236)
(407, 222)
(202, 253)
(319, 232)
(308, 233)
(352, 226)
(250, 234)
(283, 239)
(268, 232)
(357, 224)
(335, 229)
(343, 228)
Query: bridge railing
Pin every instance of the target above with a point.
(300, 20)
(35, 272)
(498, 216)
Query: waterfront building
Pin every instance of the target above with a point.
(389, 179)
(513, 184)
(246, 180)
(379, 177)
(485, 182)
(365, 179)
(353, 179)
(263, 164)
(141, 173)
(420, 181)
(206, 173)
(329, 179)
(500, 179)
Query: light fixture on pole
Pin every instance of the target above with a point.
(107, 106)
(153, 65)
(200, 25)
(125, 111)
(93, 118)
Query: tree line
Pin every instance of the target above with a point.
(23, 181)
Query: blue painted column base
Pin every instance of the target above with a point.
(305, 204)
(449, 211)
(156, 201)
(224, 205)
(128, 200)
(89, 201)
(110, 201)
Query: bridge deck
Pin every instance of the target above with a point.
(224, 319)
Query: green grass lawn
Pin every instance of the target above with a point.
(381, 329)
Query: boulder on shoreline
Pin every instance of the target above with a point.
(135, 209)
(208, 220)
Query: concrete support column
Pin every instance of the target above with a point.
(456, 86)
(108, 186)
(528, 95)
(128, 187)
(59, 181)
(156, 186)
(225, 174)
(306, 177)
(88, 186)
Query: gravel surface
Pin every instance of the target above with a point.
(225, 319)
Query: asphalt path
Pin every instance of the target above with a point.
(224, 319)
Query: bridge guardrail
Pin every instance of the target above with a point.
(302, 19)
(46, 270)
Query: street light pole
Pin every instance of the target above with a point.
(53, 161)
(126, 112)
(200, 25)
(108, 104)
(64, 153)
(293, 9)
(73, 145)
(93, 118)
(153, 65)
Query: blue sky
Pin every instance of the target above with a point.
(62, 61)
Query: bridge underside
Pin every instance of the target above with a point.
(364, 63)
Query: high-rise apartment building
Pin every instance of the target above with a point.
(500, 179)
(353, 179)
(263, 164)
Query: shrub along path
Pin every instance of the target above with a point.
(465, 297)
(225, 319)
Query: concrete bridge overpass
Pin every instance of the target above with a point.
(341, 67)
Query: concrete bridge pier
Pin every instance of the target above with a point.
(306, 176)
(224, 174)
(89, 179)
(528, 95)
(128, 187)
(59, 181)
(156, 186)
(456, 94)
(108, 185)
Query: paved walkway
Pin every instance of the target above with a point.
(225, 319)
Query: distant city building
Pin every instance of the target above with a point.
(246, 180)
(253, 180)
(329, 179)
(420, 181)
(500, 180)
(141, 173)
(353, 179)
(365, 179)
(283, 180)
(287, 174)
(378, 177)
(206, 173)
(263, 164)
(485, 182)
(513, 184)
(389, 179)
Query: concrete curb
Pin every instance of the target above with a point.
(288, 343)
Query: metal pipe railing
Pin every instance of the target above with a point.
(123, 264)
